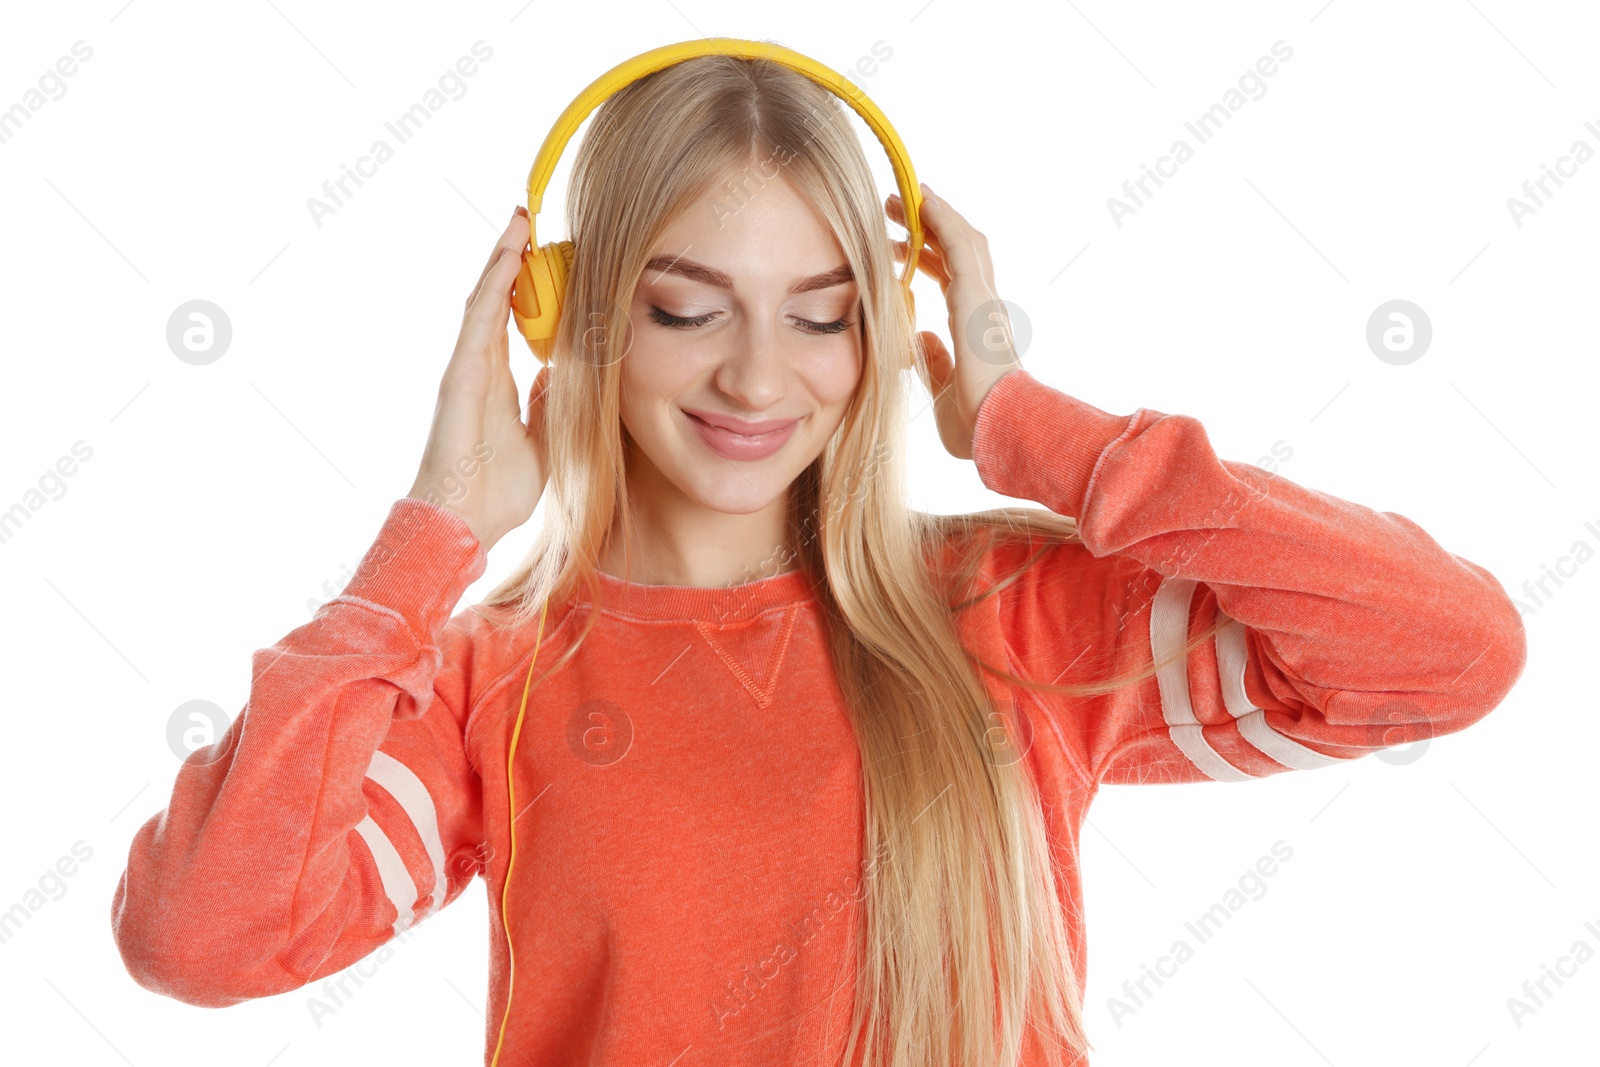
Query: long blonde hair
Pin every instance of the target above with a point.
(963, 942)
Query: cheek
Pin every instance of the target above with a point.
(652, 373)
(633, 399)
(834, 379)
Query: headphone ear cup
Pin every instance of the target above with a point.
(564, 251)
(538, 292)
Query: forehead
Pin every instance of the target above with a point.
(662, 266)
(746, 230)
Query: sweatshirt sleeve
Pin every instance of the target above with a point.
(1343, 630)
(340, 807)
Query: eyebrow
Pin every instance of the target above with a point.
(699, 272)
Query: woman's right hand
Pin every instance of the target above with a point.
(481, 461)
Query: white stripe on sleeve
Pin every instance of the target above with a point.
(408, 790)
(1232, 656)
(1169, 630)
(392, 871)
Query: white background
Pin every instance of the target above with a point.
(219, 499)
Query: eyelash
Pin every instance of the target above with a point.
(677, 323)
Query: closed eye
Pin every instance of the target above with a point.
(679, 323)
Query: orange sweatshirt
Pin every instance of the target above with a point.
(690, 840)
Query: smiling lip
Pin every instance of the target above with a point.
(738, 439)
(740, 426)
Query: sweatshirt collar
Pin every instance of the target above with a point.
(706, 604)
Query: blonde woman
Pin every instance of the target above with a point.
(799, 771)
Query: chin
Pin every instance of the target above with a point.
(733, 494)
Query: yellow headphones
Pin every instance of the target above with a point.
(538, 292)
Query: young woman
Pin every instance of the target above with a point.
(798, 771)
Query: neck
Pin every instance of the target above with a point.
(677, 541)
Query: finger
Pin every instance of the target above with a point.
(930, 235)
(941, 380)
(927, 266)
(501, 254)
(934, 206)
(943, 224)
(514, 236)
(929, 251)
(939, 361)
(896, 210)
(491, 304)
(897, 207)
(930, 261)
(963, 248)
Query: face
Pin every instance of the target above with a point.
(746, 316)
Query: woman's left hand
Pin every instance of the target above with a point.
(957, 256)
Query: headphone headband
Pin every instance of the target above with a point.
(656, 59)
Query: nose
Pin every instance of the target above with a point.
(754, 373)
